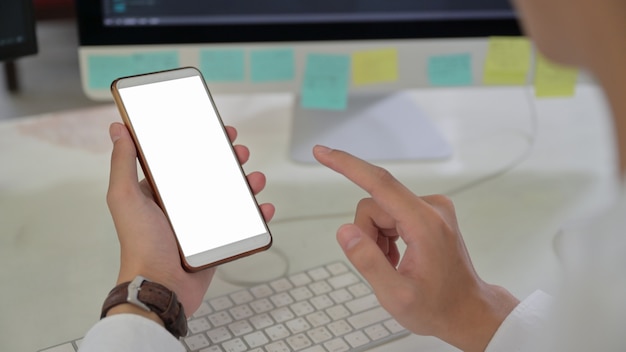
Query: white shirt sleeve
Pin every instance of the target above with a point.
(520, 330)
(129, 333)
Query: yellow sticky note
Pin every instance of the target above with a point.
(508, 61)
(552, 80)
(374, 66)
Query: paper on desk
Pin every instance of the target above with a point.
(104, 69)
(508, 61)
(272, 65)
(374, 66)
(450, 70)
(326, 82)
(552, 80)
(223, 65)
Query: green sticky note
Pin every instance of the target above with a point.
(154, 61)
(326, 82)
(225, 65)
(450, 70)
(104, 69)
(272, 65)
(507, 61)
(552, 80)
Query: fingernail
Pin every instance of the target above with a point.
(115, 132)
(348, 237)
(322, 149)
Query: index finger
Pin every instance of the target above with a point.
(389, 193)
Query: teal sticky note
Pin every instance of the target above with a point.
(272, 65)
(326, 82)
(450, 70)
(104, 69)
(223, 65)
(154, 61)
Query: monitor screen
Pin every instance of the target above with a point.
(17, 29)
(174, 21)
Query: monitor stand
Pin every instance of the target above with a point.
(374, 127)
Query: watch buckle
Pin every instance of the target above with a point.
(133, 292)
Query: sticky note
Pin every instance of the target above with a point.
(104, 69)
(154, 61)
(507, 61)
(374, 66)
(326, 81)
(552, 80)
(270, 65)
(227, 65)
(450, 70)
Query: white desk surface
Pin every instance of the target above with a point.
(59, 252)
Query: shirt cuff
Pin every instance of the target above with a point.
(129, 332)
(522, 328)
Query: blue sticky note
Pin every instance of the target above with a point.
(450, 70)
(104, 69)
(272, 65)
(326, 82)
(222, 65)
(154, 61)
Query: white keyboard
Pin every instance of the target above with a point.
(325, 309)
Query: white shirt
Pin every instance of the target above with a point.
(588, 315)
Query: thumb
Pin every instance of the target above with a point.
(368, 259)
(123, 176)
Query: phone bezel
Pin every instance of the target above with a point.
(211, 257)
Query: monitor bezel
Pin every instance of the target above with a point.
(93, 32)
(29, 45)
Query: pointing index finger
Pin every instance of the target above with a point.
(388, 192)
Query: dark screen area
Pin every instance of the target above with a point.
(17, 31)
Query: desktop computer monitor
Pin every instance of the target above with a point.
(17, 29)
(122, 37)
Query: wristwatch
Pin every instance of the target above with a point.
(151, 297)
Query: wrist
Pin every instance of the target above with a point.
(480, 318)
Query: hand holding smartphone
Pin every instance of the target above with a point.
(192, 167)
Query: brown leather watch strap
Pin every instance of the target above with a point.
(153, 297)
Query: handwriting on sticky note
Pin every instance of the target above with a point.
(450, 70)
(272, 65)
(326, 82)
(223, 65)
(552, 80)
(374, 66)
(507, 61)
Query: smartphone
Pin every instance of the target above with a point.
(191, 165)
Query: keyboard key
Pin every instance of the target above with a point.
(279, 346)
(282, 314)
(262, 305)
(297, 325)
(240, 327)
(281, 299)
(318, 274)
(256, 339)
(359, 289)
(376, 332)
(302, 308)
(301, 293)
(212, 349)
(241, 312)
(321, 302)
(300, 279)
(196, 342)
(298, 342)
(320, 287)
(337, 268)
(369, 317)
(241, 297)
(218, 335)
(339, 327)
(221, 303)
(198, 325)
(261, 291)
(362, 303)
(316, 348)
(277, 332)
(393, 326)
(261, 321)
(341, 295)
(336, 345)
(204, 309)
(356, 339)
(343, 280)
(281, 285)
(337, 312)
(318, 318)
(319, 334)
(236, 345)
(220, 318)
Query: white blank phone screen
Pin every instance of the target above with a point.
(193, 167)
